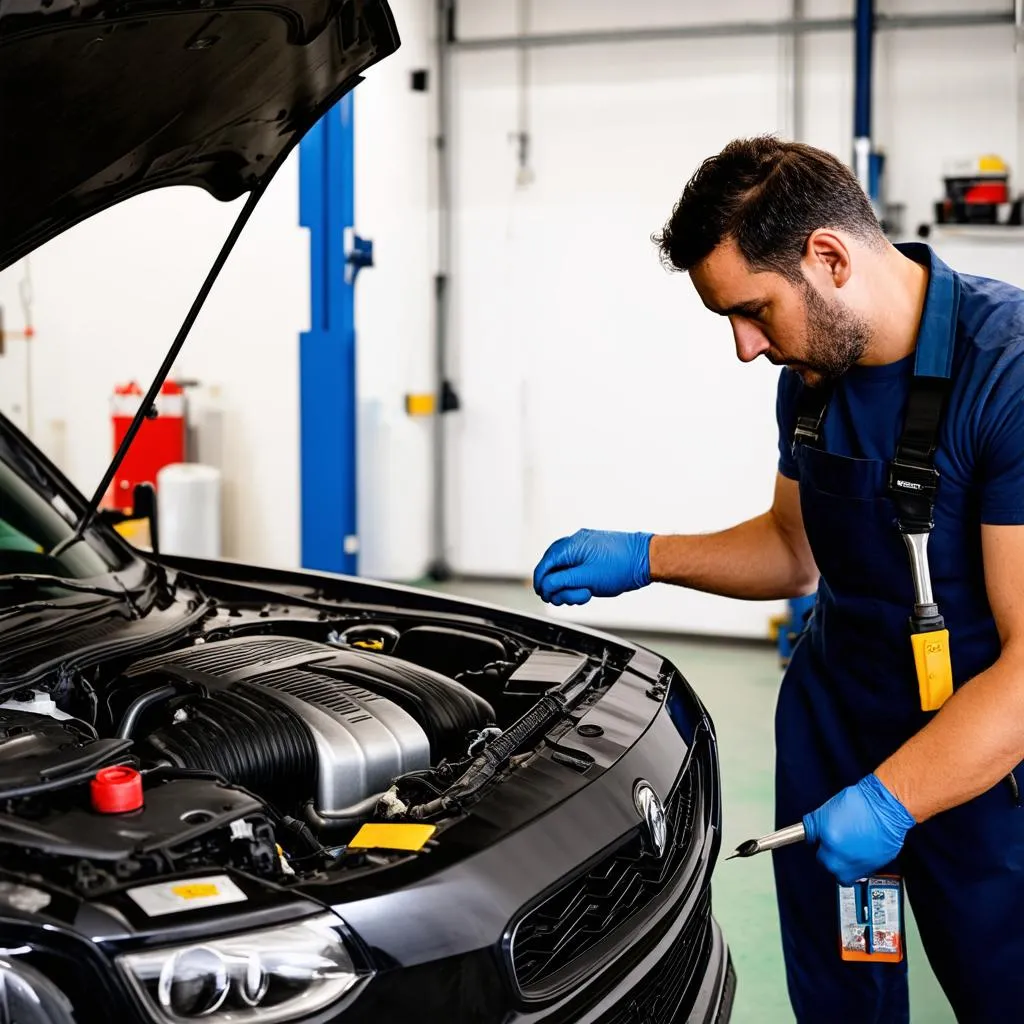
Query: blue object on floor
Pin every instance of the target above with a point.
(799, 610)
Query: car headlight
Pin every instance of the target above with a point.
(29, 998)
(263, 977)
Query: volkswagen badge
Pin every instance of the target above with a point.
(652, 811)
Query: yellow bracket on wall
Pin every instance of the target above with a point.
(420, 405)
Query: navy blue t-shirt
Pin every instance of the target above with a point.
(859, 632)
(982, 442)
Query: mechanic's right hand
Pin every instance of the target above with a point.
(593, 563)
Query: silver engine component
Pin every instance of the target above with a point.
(363, 740)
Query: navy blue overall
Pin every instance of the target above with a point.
(850, 695)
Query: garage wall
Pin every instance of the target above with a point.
(395, 181)
(110, 294)
(109, 297)
(597, 390)
(593, 383)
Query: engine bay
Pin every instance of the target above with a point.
(270, 735)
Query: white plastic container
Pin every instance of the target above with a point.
(189, 510)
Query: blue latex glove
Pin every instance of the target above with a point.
(593, 563)
(860, 829)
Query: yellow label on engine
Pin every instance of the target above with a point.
(196, 891)
(934, 671)
(392, 836)
(369, 645)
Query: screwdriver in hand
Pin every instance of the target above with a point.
(772, 841)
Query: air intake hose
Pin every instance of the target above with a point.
(249, 738)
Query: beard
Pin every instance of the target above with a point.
(836, 340)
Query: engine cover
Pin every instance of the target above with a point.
(362, 740)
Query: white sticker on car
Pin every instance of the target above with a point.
(190, 894)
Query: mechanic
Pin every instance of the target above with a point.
(780, 238)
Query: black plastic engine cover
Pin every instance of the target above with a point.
(174, 813)
(183, 824)
(35, 748)
(448, 651)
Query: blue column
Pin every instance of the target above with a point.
(327, 352)
(864, 36)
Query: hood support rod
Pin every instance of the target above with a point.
(148, 401)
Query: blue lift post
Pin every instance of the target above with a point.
(327, 352)
(869, 163)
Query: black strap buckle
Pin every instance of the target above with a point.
(806, 431)
(810, 416)
(913, 488)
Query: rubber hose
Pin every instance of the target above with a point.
(327, 820)
(247, 737)
(137, 706)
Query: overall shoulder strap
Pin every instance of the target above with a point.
(913, 478)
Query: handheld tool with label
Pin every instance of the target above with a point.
(913, 486)
(784, 837)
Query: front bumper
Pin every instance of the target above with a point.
(652, 999)
(440, 943)
(660, 960)
(682, 980)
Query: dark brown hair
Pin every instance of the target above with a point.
(769, 196)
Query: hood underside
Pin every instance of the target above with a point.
(101, 100)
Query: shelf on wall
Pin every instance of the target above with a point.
(978, 232)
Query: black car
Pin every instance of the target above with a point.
(247, 795)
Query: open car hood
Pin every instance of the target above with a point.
(101, 100)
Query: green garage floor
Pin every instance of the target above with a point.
(738, 684)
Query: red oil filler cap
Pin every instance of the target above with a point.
(115, 790)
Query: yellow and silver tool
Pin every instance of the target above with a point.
(929, 636)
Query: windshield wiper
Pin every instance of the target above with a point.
(78, 586)
(19, 611)
(26, 580)
(147, 408)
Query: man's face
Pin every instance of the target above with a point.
(790, 324)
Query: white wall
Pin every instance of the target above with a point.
(110, 294)
(597, 389)
(109, 297)
(395, 178)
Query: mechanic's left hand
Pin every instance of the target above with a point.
(859, 830)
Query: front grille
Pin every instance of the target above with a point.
(570, 934)
(668, 992)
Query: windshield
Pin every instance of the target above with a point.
(30, 527)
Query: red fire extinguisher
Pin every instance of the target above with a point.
(159, 442)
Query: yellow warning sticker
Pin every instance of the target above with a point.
(196, 891)
(193, 894)
(392, 836)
